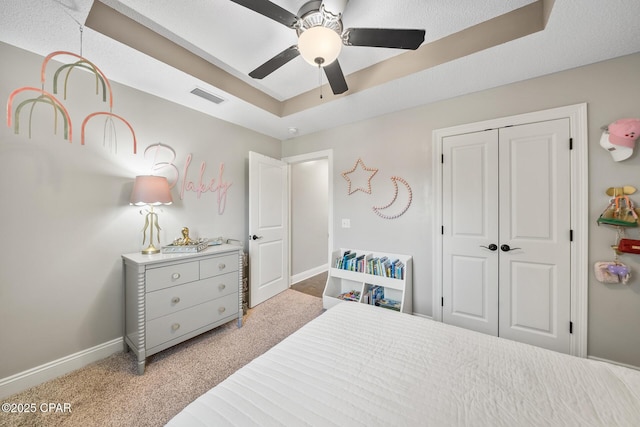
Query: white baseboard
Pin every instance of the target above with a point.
(35, 376)
(637, 368)
(295, 278)
(423, 315)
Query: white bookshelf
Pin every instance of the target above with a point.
(341, 281)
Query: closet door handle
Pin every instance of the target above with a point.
(491, 247)
(507, 248)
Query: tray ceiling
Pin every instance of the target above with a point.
(167, 49)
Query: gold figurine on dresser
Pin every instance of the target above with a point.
(185, 239)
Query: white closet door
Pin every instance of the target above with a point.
(470, 220)
(535, 217)
(506, 238)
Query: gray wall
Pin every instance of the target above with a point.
(65, 218)
(309, 215)
(400, 144)
(64, 212)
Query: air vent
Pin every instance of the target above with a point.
(208, 96)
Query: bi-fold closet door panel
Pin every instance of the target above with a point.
(506, 245)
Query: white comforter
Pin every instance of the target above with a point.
(358, 365)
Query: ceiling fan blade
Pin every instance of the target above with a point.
(384, 37)
(336, 78)
(274, 63)
(270, 10)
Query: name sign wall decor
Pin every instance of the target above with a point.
(163, 161)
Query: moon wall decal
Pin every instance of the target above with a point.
(378, 209)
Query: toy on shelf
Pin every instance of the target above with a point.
(613, 271)
(629, 246)
(621, 211)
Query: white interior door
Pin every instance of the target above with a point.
(535, 216)
(268, 228)
(470, 230)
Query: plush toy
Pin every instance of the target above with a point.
(612, 272)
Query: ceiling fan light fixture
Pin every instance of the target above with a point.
(319, 42)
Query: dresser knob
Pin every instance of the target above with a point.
(221, 310)
(221, 286)
(175, 326)
(175, 276)
(175, 300)
(221, 266)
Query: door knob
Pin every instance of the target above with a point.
(507, 248)
(491, 247)
(254, 237)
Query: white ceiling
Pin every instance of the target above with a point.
(239, 40)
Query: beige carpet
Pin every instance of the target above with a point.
(110, 393)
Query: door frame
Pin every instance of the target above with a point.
(307, 157)
(577, 115)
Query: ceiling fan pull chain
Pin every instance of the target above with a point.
(320, 79)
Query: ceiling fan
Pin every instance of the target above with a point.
(318, 24)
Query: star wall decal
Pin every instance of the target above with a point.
(360, 172)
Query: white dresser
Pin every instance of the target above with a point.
(170, 298)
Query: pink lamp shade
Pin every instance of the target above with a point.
(151, 190)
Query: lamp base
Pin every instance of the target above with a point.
(150, 250)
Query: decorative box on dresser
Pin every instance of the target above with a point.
(170, 298)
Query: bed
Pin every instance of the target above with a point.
(359, 365)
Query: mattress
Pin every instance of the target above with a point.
(360, 365)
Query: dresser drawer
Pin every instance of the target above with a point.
(171, 275)
(218, 265)
(176, 298)
(182, 322)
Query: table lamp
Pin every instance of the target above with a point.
(149, 190)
